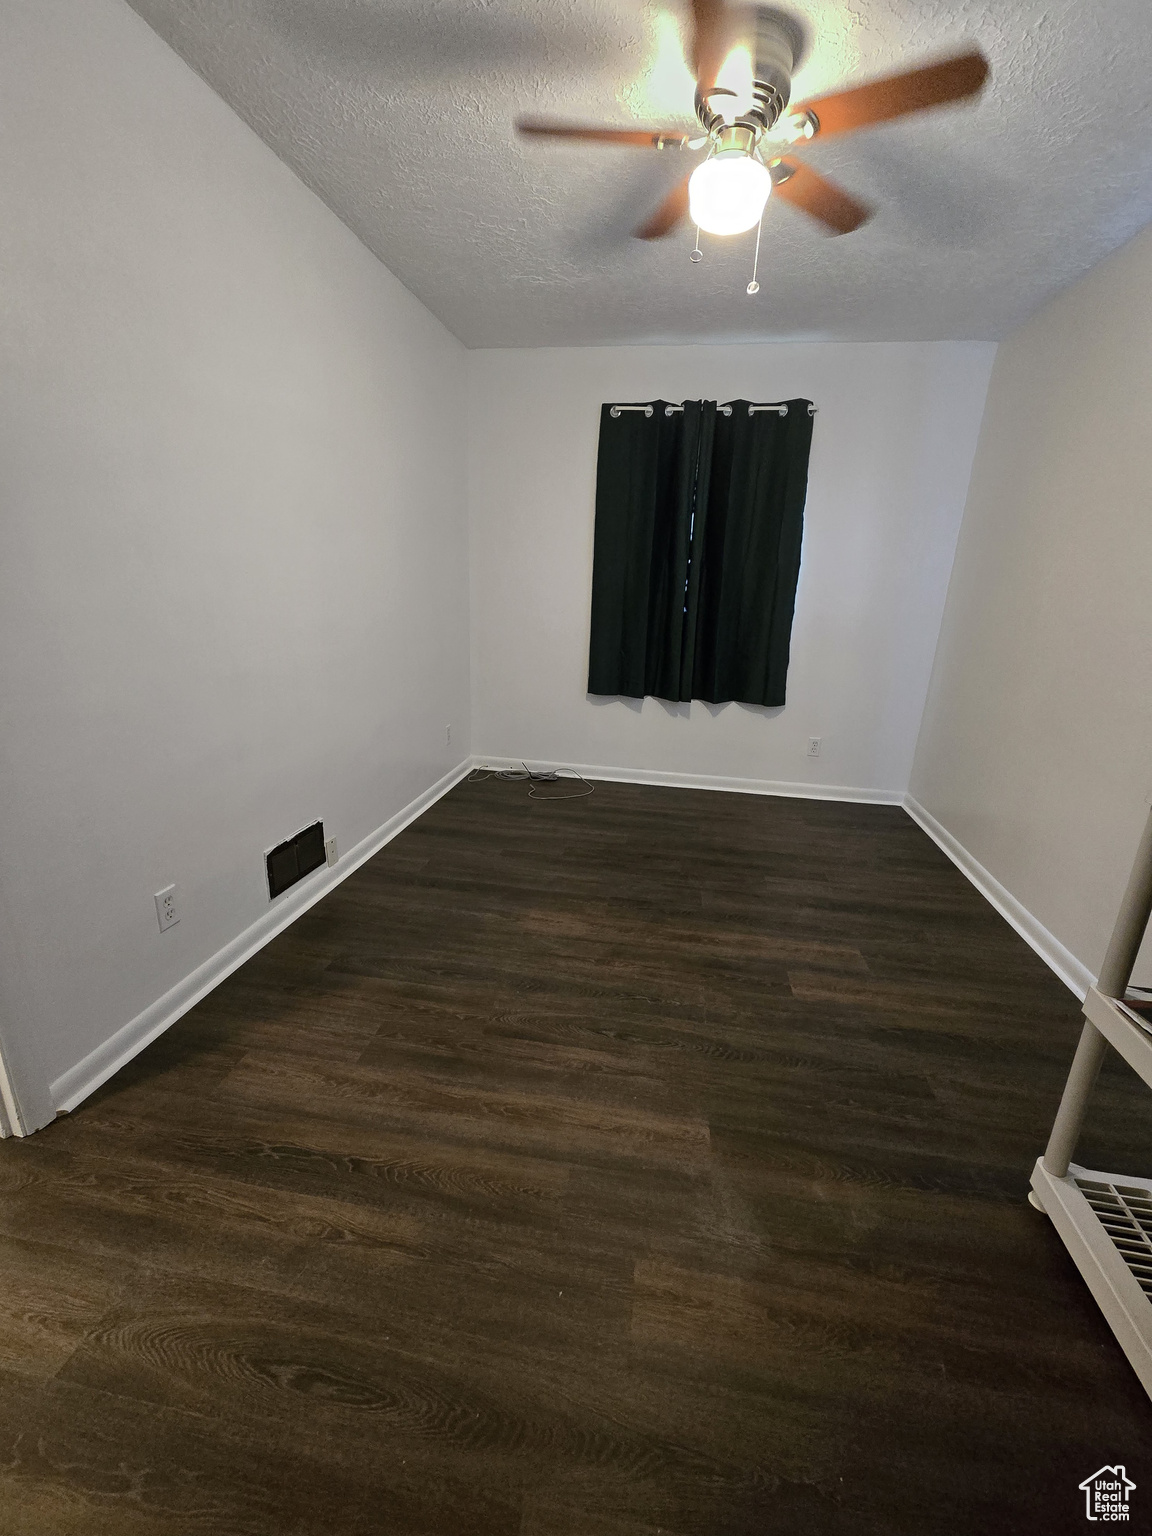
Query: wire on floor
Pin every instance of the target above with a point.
(526, 775)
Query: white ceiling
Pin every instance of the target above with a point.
(399, 114)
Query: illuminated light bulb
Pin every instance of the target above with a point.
(735, 75)
(726, 195)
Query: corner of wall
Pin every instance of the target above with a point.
(1072, 972)
(934, 672)
(24, 1108)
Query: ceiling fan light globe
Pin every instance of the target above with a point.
(727, 193)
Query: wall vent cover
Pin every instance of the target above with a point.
(291, 861)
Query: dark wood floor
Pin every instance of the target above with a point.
(651, 1162)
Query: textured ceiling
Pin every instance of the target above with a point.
(399, 114)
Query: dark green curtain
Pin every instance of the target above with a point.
(699, 523)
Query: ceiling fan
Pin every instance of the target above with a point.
(743, 57)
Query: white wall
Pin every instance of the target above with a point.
(1036, 748)
(233, 545)
(891, 455)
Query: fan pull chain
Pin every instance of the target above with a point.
(697, 254)
(754, 286)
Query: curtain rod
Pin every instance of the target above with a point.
(781, 409)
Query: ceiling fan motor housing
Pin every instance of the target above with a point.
(774, 59)
(774, 43)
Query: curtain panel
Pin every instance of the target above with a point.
(699, 523)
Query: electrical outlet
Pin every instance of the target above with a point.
(813, 746)
(330, 851)
(447, 735)
(167, 912)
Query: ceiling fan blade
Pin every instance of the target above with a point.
(806, 189)
(644, 138)
(709, 29)
(931, 86)
(667, 216)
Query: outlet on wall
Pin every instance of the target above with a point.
(167, 912)
(813, 746)
(447, 735)
(330, 851)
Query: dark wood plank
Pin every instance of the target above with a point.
(652, 1162)
(50, 1298)
(79, 1462)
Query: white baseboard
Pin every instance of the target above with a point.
(73, 1086)
(1072, 972)
(706, 781)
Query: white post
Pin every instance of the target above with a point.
(1123, 947)
(1070, 1116)
(1131, 921)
